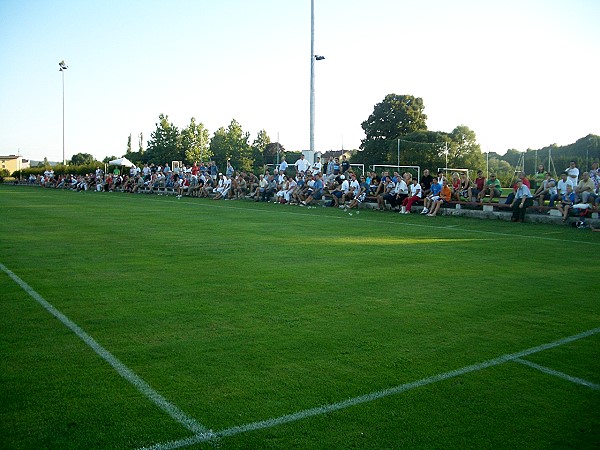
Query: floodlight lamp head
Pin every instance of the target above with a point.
(62, 66)
(319, 57)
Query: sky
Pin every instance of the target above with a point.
(519, 73)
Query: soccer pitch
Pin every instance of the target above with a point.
(138, 321)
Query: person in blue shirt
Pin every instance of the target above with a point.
(434, 194)
(567, 202)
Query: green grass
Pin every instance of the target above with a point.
(238, 312)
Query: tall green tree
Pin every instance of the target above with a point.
(129, 144)
(259, 146)
(392, 118)
(463, 149)
(141, 143)
(232, 143)
(80, 159)
(164, 144)
(194, 140)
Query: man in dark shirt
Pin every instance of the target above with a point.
(426, 181)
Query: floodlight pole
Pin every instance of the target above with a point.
(313, 58)
(312, 76)
(62, 67)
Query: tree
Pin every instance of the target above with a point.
(80, 159)
(194, 142)
(394, 117)
(232, 143)
(164, 143)
(141, 144)
(259, 146)
(129, 144)
(463, 149)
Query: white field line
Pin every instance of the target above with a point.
(121, 368)
(556, 373)
(325, 409)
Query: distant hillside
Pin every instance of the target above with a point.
(585, 151)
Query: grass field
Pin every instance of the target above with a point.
(135, 321)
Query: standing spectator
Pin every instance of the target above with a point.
(573, 172)
(214, 171)
(345, 164)
(316, 167)
(302, 164)
(229, 170)
(522, 199)
(283, 165)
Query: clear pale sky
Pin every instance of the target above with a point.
(520, 73)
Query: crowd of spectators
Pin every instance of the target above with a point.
(304, 184)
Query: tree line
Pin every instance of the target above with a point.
(395, 133)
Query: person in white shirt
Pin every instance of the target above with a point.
(317, 167)
(415, 195)
(573, 173)
(302, 164)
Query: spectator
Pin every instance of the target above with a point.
(345, 166)
(479, 185)
(261, 188)
(492, 188)
(520, 177)
(566, 203)
(283, 165)
(445, 196)
(573, 172)
(585, 189)
(302, 164)
(546, 189)
(562, 184)
(426, 181)
(415, 195)
(434, 195)
(316, 167)
(315, 192)
(522, 200)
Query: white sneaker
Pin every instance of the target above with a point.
(425, 211)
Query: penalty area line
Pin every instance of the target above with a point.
(125, 372)
(325, 409)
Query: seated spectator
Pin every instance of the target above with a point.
(492, 188)
(520, 176)
(425, 182)
(585, 189)
(315, 192)
(455, 186)
(444, 196)
(479, 185)
(465, 187)
(566, 203)
(434, 195)
(261, 188)
(523, 198)
(415, 195)
(546, 189)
